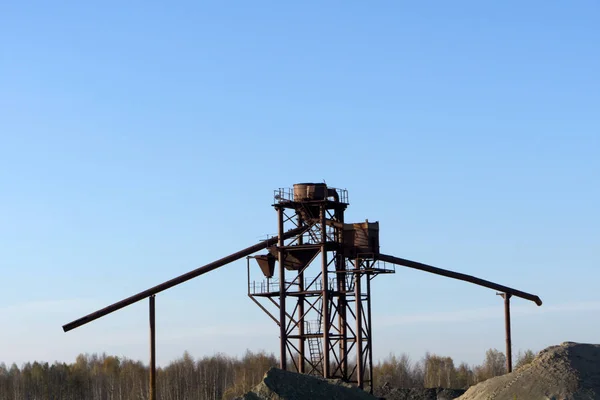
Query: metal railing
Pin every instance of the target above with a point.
(264, 286)
(287, 194)
(310, 284)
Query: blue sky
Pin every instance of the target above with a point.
(141, 140)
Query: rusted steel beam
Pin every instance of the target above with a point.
(282, 309)
(180, 279)
(459, 276)
(325, 288)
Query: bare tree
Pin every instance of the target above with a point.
(494, 364)
(439, 371)
(524, 358)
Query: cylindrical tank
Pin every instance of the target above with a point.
(310, 191)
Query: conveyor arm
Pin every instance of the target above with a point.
(182, 278)
(459, 276)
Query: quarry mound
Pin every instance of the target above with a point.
(284, 385)
(570, 371)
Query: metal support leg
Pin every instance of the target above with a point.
(506, 297)
(325, 289)
(282, 319)
(152, 388)
(340, 266)
(370, 330)
(508, 335)
(359, 329)
(301, 340)
(301, 331)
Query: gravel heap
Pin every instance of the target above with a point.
(570, 371)
(285, 385)
(419, 394)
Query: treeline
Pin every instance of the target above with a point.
(102, 377)
(94, 377)
(438, 371)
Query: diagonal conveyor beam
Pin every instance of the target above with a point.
(459, 276)
(182, 278)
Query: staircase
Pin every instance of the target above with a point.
(315, 348)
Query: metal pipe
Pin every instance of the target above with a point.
(282, 324)
(180, 279)
(333, 193)
(459, 276)
(152, 388)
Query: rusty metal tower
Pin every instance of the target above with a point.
(318, 283)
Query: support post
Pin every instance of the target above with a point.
(282, 326)
(302, 339)
(359, 327)
(508, 334)
(325, 293)
(152, 388)
(340, 266)
(370, 330)
(506, 297)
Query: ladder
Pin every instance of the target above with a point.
(315, 349)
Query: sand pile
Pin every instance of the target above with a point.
(285, 385)
(570, 371)
(419, 393)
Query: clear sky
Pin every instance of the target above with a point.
(139, 140)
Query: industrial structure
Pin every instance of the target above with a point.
(322, 286)
(314, 281)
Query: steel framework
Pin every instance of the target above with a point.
(322, 293)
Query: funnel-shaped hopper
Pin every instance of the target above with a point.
(266, 262)
(361, 239)
(296, 259)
